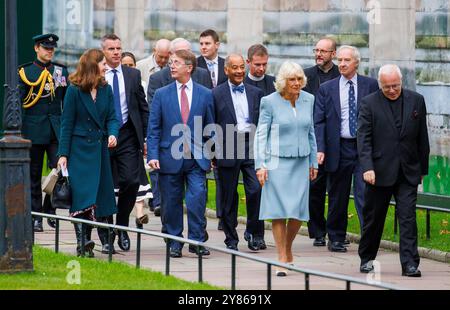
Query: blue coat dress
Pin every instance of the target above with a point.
(85, 128)
(285, 144)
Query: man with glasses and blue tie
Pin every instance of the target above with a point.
(335, 118)
(324, 70)
(132, 112)
(237, 108)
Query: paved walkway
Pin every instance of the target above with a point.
(252, 275)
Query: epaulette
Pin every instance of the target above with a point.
(59, 65)
(25, 65)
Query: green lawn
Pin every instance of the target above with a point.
(440, 231)
(51, 271)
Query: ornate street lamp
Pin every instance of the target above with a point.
(16, 253)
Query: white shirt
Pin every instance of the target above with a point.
(240, 104)
(216, 67)
(344, 87)
(188, 90)
(109, 76)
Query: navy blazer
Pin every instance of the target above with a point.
(165, 117)
(382, 148)
(137, 105)
(164, 77)
(327, 117)
(201, 63)
(226, 115)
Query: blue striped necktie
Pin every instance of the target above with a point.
(352, 121)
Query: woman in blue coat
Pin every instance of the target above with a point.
(286, 157)
(88, 128)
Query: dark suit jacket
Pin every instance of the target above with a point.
(313, 84)
(327, 117)
(383, 148)
(165, 116)
(137, 105)
(164, 77)
(226, 114)
(201, 63)
(266, 85)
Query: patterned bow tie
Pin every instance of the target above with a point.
(239, 88)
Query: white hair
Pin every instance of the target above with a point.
(355, 51)
(389, 69)
(179, 41)
(287, 70)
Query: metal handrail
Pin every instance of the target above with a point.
(234, 254)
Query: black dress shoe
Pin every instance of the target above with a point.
(124, 241)
(232, 247)
(319, 242)
(175, 253)
(157, 211)
(220, 225)
(37, 226)
(105, 249)
(200, 251)
(51, 223)
(411, 271)
(366, 267)
(252, 244)
(336, 247)
(261, 243)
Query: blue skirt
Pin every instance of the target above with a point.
(285, 194)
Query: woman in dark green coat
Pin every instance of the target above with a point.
(88, 128)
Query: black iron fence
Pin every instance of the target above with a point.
(348, 281)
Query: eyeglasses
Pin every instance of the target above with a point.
(176, 63)
(389, 87)
(319, 51)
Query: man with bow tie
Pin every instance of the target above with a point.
(393, 151)
(237, 112)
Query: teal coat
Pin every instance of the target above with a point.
(85, 128)
(42, 121)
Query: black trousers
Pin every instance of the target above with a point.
(376, 205)
(37, 157)
(126, 158)
(229, 178)
(317, 195)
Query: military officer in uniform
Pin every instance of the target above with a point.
(43, 84)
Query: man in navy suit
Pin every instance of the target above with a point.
(161, 79)
(335, 119)
(237, 112)
(210, 59)
(176, 147)
(132, 112)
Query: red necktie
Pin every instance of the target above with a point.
(184, 105)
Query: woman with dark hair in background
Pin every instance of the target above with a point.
(88, 128)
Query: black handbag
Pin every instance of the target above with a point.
(62, 193)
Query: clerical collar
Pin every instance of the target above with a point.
(255, 78)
